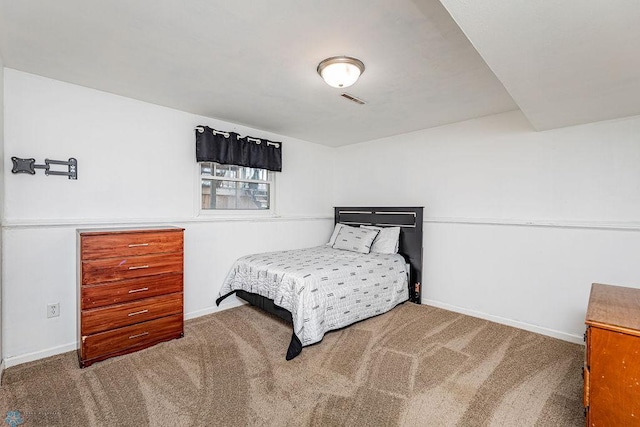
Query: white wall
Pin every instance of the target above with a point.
(135, 160)
(1, 198)
(136, 165)
(518, 223)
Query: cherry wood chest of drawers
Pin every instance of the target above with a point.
(130, 290)
(612, 357)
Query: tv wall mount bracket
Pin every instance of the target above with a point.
(29, 166)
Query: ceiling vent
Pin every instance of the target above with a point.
(353, 98)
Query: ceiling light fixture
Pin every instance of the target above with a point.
(340, 71)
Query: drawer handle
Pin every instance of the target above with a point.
(138, 267)
(138, 335)
(135, 313)
(133, 291)
(137, 245)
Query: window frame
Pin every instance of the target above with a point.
(200, 211)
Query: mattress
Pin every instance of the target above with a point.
(323, 288)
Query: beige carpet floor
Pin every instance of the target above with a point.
(414, 366)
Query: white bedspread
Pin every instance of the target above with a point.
(322, 287)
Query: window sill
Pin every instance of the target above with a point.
(234, 214)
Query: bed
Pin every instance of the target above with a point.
(329, 287)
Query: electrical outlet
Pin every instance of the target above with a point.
(53, 310)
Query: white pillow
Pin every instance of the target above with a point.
(336, 229)
(387, 241)
(355, 239)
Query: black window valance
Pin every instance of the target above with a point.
(229, 148)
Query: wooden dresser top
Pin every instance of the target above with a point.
(125, 230)
(614, 306)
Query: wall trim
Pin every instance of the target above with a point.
(40, 354)
(54, 223)
(225, 305)
(590, 225)
(53, 351)
(576, 339)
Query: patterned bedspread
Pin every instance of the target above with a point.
(322, 287)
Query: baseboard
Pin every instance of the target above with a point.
(224, 305)
(231, 303)
(577, 339)
(36, 355)
(41, 354)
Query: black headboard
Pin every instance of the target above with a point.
(409, 219)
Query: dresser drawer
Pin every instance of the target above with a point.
(139, 335)
(112, 269)
(116, 316)
(129, 244)
(95, 296)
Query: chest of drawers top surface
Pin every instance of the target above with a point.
(126, 230)
(615, 306)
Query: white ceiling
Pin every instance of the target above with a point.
(253, 63)
(564, 62)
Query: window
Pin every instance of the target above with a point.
(228, 187)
